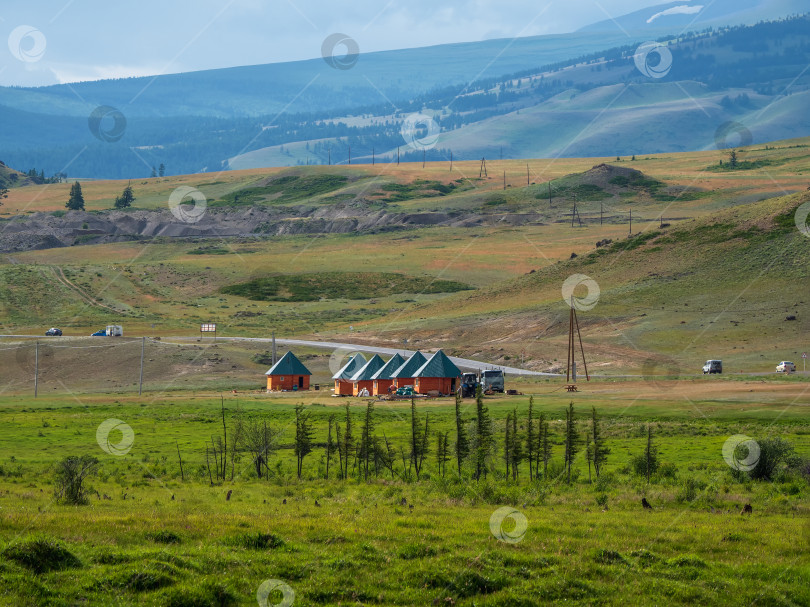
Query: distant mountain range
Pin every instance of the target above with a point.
(695, 15)
(579, 94)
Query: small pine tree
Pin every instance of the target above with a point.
(600, 451)
(545, 448)
(348, 442)
(366, 437)
(303, 437)
(572, 440)
(125, 200)
(650, 454)
(732, 159)
(153, 174)
(530, 438)
(462, 441)
(76, 200)
(162, 170)
(507, 443)
(330, 445)
(483, 434)
(517, 447)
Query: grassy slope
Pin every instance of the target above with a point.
(160, 288)
(718, 287)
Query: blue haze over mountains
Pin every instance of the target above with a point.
(486, 96)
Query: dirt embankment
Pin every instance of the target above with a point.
(47, 231)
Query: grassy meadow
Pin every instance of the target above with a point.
(146, 537)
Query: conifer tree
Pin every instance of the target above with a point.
(483, 434)
(462, 441)
(76, 200)
(600, 451)
(303, 436)
(125, 200)
(572, 440)
(530, 439)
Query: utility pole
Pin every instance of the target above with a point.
(330, 156)
(397, 155)
(631, 222)
(350, 154)
(373, 157)
(36, 369)
(504, 180)
(274, 348)
(451, 161)
(140, 381)
(528, 178)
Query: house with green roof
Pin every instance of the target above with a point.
(383, 379)
(288, 374)
(404, 375)
(438, 375)
(362, 379)
(344, 386)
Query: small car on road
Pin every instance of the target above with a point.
(786, 367)
(53, 332)
(713, 366)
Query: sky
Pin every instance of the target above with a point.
(53, 41)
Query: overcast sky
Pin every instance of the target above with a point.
(70, 40)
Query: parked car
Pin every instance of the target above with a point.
(713, 366)
(102, 333)
(786, 367)
(53, 332)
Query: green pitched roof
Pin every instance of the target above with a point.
(369, 369)
(438, 366)
(289, 365)
(387, 370)
(351, 367)
(410, 366)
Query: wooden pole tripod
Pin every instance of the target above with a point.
(573, 325)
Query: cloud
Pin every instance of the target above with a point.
(684, 9)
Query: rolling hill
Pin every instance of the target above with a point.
(714, 267)
(548, 96)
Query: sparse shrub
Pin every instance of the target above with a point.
(609, 557)
(42, 555)
(164, 537)
(257, 541)
(602, 500)
(773, 452)
(690, 489)
(71, 473)
(645, 557)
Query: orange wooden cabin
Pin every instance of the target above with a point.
(438, 374)
(288, 374)
(362, 380)
(404, 375)
(344, 386)
(383, 379)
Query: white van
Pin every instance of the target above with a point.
(713, 366)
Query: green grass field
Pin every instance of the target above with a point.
(149, 538)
